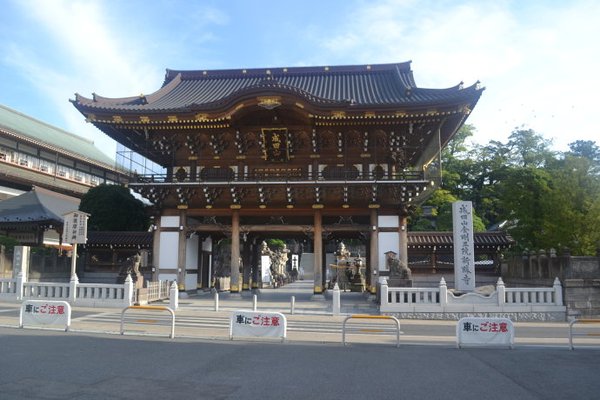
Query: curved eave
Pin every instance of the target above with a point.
(223, 108)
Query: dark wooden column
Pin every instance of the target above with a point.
(193, 168)
(374, 252)
(403, 236)
(246, 263)
(318, 248)
(235, 252)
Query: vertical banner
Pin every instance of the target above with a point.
(265, 267)
(464, 254)
(275, 144)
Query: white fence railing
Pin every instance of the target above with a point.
(80, 294)
(502, 300)
(158, 290)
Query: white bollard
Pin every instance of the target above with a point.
(254, 303)
(216, 301)
(336, 299)
(293, 305)
(174, 296)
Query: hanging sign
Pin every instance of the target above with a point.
(75, 227)
(45, 313)
(265, 266)
(478, 331)
(275, 144)
(257, 324)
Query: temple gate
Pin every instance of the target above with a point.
(317, 153)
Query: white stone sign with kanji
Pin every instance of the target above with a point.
(464, 254)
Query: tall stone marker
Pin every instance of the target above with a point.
(464, 254)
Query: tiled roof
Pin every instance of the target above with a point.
(25, 127)
(141, 240)
(39, 206)
(361, 86)
(480, 239)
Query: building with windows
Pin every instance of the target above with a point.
(33, 153)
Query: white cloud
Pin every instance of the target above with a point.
(537, 63)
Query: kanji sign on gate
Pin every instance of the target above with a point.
(257, 324)
(478, 331)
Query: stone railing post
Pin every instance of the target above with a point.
(384, 292)
(443, 293)
(73, 288)
(128, 295)
(501, 292)
(558, 295)
(174, 296)
(20, 282)
(336, 299)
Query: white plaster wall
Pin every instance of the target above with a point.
(169, 222)
(191, 281)
(169, 250)
(207, 244)
(167, 277)
(388, 241)
(191, 262)
(191, 253)
(388, 221)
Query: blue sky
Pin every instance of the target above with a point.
(538, 59)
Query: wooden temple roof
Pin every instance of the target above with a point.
(337, 87)
(422, 240)
(124, 239)
(39, 206)
(496, 239)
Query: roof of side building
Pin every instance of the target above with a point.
(44, 135)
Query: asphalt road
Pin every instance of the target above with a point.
(43, 364)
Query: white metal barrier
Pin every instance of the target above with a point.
(149, 308)
(582, 321)
(369, 330)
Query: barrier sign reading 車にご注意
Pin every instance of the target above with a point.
(45, 313)
(257, 324)
(476, 331)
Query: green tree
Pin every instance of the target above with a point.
(528, 148)
(113, 208)
(441, 219)
(589, 150)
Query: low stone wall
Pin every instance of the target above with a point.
(579, 275)
(582, 298)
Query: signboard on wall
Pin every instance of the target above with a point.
(464, 254)
(75, 227)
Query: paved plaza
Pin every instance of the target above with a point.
(93, 361)
(312, 320)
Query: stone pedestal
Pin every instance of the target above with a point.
(399, 282)
(357, 284)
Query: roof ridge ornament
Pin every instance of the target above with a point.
(269, 102)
